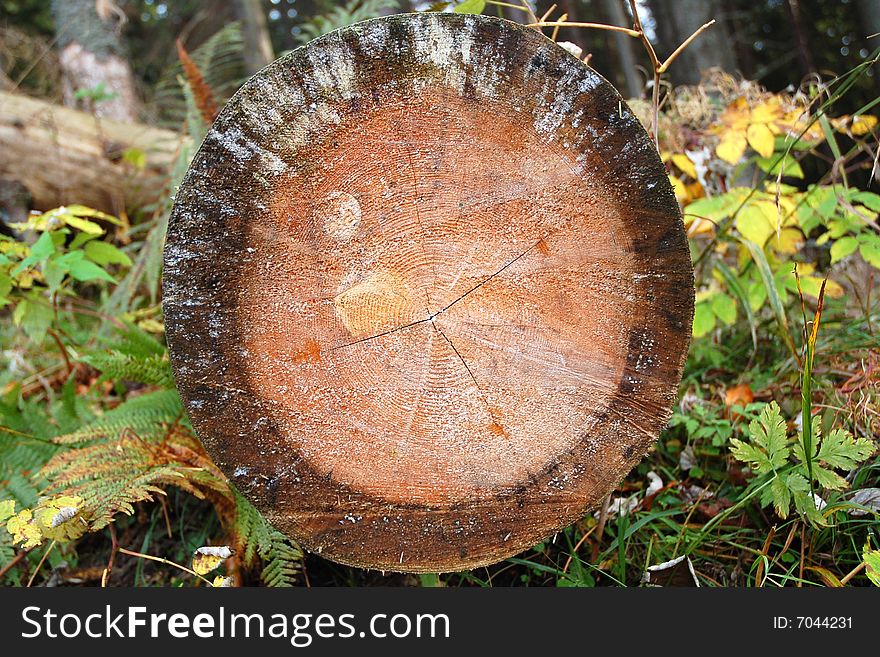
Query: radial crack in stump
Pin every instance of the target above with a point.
(427, 291)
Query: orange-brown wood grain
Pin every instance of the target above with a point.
(427, 291)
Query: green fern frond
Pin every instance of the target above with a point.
(283, 562)
(147, 415)
(112, 477)
(152, 370)
(255, 538)
(134, 341)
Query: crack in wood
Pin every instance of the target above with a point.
(431, 317)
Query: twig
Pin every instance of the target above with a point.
(498, 3)
(855, 571)
(600, 528)
(114, 548)
(167, 562)
(63, 351)
(552, 9)
(597, 26)
(555, 34)
(40, 565)
(665, 65)
(576, 548)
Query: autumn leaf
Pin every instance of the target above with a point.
(23, 529)
(206, 559)
(731, 147)
(685, 165)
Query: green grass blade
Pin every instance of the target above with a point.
(772, 295)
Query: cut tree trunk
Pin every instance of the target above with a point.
(64, 156)
(427, 291)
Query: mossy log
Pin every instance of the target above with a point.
(427, 291)
(64, 156)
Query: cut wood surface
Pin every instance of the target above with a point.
(64, 156)
(427, 291)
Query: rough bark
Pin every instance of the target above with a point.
(427, 291)
(91, 55)
(255, 32)
(63, 156)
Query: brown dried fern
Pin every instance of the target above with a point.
(202, 93)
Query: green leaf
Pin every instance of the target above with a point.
(734, 286)
(470, 7)
(872, 565)
(773, 164)
(82, 269)
(768, 449)
(34, 318)
(843, 247)
(869, 248)
(757, 222)
(772, 292)
(780, 495)
(869, 199)
(42, 249)
(7, 510)
(828, 479)
(53, 275)
(724, 308)
(704, 319)
(716, 208)
(840, 450)
(103, 253)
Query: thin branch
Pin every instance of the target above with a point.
(547, 13)
(167, 562)
(498, 3)
(665, 65)
(556, 29)
(40, 565)
(597, 26)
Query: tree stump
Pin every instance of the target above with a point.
(427, 291)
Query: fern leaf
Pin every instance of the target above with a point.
(146, 415)
(118, 366)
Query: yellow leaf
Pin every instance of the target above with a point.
(84, 225)
(684, 164)
(151, 326)
(23, 530)
(761, 138)
(206, 559)
(221, 582)
(789, 240)
(863, 124)
(732, 146)
(767, 112)
(679, 188)
(59, 518)
(697, 226)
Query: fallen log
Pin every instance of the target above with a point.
(427, 291)
(62, 156)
